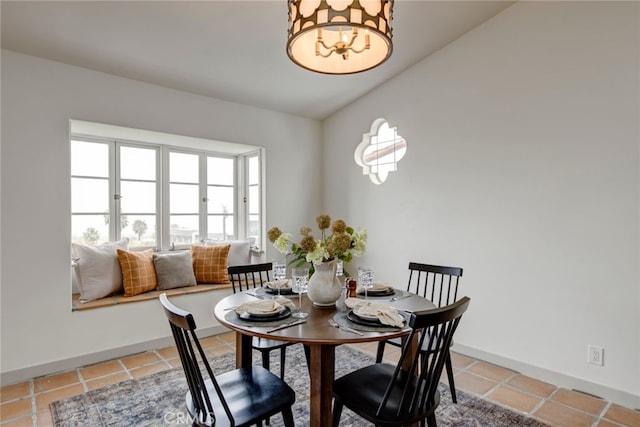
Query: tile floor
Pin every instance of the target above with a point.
(27, 403)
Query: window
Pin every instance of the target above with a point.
(90, 205)
(184, 198)
(254, 216)
(162, 196)
(380, 151)
(220, 198)
(136, 195)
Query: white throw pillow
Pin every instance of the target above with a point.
(240, 252)
(98, 269)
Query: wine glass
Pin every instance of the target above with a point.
(300, 286)
(365, 279)
(339, 267)
(279, 273)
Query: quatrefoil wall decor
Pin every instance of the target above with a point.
(380, 151)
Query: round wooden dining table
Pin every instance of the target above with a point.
(318, 335)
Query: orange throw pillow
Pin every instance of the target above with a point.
(210, 263)
(138, 272)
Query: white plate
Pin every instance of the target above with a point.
(265, 317)
(274, 313)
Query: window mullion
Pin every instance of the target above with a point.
(203, 213)
(165, 194)
(262, 192)
(242, 181)
(115, 230)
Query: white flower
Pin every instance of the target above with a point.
(283, 242)
(359, 242)
(317, 255)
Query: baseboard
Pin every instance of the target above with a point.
(556, 378)
(24, 374)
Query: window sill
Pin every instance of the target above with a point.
(76, 305)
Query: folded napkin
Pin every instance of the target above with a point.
(387, 315)
(286, 302)
(279, 284)
(263, 306)
(376, 287)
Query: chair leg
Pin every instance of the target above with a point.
(431, 420)
(283, 353)
(266, 362)
(287, 417)
(380, 352)
(337, 412)
(265, 359)
(452, 385)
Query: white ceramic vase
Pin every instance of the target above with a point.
(324, 287)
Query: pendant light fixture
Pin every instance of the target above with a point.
(339, 36)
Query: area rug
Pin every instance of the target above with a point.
(158, 399)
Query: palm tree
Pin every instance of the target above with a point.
(91, 235)
(139, 227)
(124, 220)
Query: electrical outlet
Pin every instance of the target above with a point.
(595, 355)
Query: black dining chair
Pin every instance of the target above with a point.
(407, 393)
(245, 277)
(438, 284)
(241, 397)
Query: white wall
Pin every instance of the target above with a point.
(38, 99)
(523, 168)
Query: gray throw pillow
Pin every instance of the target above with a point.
(174, 270)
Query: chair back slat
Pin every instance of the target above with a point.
(244, 277)
(433, 330)
(411, 394)
(192, 356)
(439, 284)
(444, 334)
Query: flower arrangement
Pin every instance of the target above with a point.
(343, 243)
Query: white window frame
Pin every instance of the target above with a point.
(243, 195)
(115, 218)
(241, 213)
(377, 156)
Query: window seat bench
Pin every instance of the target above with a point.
(76, 305)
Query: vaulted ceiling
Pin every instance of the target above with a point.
(230, 50)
